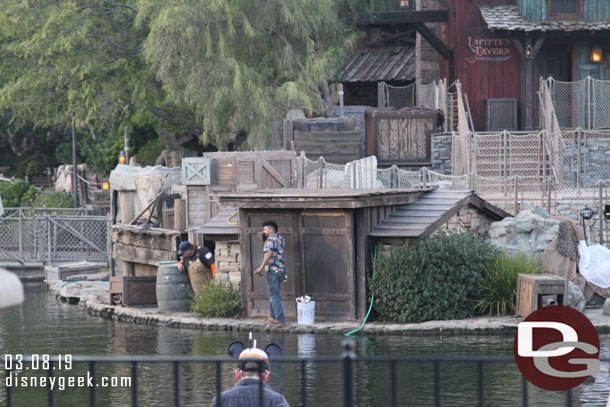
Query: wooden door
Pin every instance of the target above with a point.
(254, 287)
(329, 262)
(277, 171)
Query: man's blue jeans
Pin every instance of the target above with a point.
(275, 303)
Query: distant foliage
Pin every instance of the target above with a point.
(217, 300)
(434, 279)
(21, 194)
(17, 193)
(53, 200)
(148, 154)
(498, 286)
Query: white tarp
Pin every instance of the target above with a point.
(594, 263)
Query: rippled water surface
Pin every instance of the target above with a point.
(44, 326)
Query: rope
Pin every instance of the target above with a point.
(372, 299)
(230, 217)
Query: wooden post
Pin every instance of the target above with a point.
(578, 162)
(526, 78)
(321, 170)
(179, 215)
(601, 214)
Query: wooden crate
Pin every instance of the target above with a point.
(133, 290)
(531, 288)
(401, 137)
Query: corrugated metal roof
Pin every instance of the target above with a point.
(508, 17)
(219, 224)
(381, 63)
(428, 212)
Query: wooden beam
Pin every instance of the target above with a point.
(448, 6)
(275, 174)
(436, 42)
(526, 78)
(398, 17)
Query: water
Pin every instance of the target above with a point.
(45, 326)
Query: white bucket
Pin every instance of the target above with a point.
(306, 312)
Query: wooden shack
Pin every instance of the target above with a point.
(401, 137)
(339, 140)
(236, 171)
(327, 245)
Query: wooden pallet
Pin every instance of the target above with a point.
(133, 290)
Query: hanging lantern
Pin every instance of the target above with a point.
(596, 54)
(122, 158)
(105, 186)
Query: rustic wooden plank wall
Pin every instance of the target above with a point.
(337, 147)
(486, 70)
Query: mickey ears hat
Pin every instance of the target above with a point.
(261, 357)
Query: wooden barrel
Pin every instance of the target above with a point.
(199, 275)
(172, 287)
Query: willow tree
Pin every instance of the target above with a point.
(239, 65)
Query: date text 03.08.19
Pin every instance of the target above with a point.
(37, 362)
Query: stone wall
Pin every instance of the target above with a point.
(427, 63)
(441, 153)
(228, 262)
(468, 219)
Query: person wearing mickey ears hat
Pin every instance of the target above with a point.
(252, 367)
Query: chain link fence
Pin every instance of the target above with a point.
(50, 235)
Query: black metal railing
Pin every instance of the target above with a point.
(348, 360)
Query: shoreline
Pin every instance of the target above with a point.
(91, 294)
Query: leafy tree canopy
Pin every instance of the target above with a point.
(214, 68)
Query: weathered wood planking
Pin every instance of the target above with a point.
(401, 137)
(342, 146)
(240, 171)
(141, 254)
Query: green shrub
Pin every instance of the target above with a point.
(498, 286)
(17, 193)
(436, 278)
(217, 300)
(53, 200)
(149, 152)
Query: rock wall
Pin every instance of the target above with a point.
(530, 232)
(468, 219)
(568, 208)
(228, 262)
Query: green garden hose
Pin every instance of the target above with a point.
(372, 299)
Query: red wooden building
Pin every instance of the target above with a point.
(499, 49)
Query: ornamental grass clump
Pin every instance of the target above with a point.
(217, 300)
(498, 286)
(436, 278)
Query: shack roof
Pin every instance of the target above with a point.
(388, 62)
(428, 212)
(508, 17)
(225, 223)
(290, 198)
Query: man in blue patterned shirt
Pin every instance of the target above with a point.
(273, 264)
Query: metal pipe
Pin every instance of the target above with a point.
(177, 383)
(92, 401)
(74, 169)
(341, 99)
(126, 136)
(601, 214)
(481, 384)
(578, 161)
(348, 375)
(437, 383)
(516, 195)
(134, 384)
(51, 390)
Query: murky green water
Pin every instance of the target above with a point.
(44, 326)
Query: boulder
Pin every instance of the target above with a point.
(528, 232)
(576, 298)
